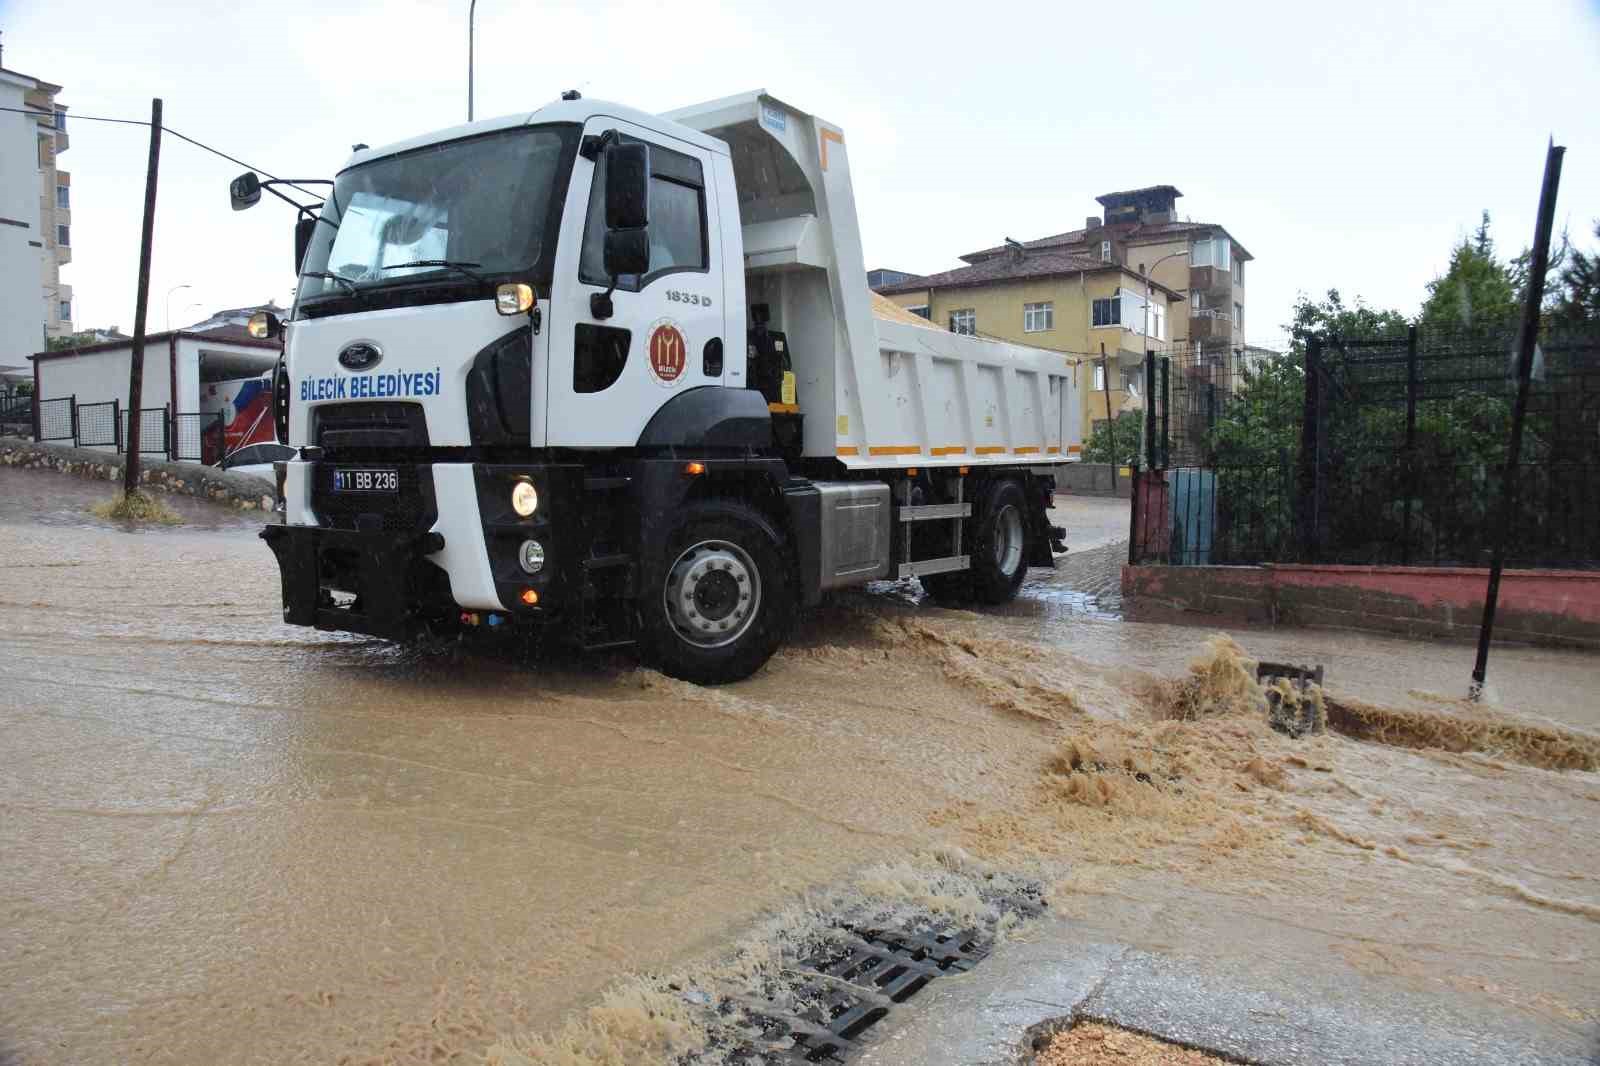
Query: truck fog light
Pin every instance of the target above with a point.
(524, 498)
(531, 556)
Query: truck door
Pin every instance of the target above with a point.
(666, 333)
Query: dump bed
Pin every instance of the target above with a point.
(875, 390)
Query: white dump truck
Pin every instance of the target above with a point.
(620, 375)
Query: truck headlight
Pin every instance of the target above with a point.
(531, 556)
(524, 498)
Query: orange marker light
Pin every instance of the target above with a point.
(530, 597)
(963, 469)
(911, 471)
(694, 469)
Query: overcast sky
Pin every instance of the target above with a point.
(1347, 145)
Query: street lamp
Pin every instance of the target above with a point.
(472, 11)
(1150, 400)
(170, 291)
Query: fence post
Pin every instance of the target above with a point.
(1149, 409)
(1166, 407)
(72, 412)
(1133, 514)
(1310, 469)
(168, 433)
(116, 423)
(1411, 444)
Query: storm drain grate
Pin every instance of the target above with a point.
(849, 983)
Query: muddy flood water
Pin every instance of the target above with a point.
(228, 840)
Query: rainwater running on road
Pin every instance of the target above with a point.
(228, 840)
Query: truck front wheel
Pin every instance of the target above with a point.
(720, 601)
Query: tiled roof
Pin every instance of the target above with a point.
(1012, 268)
(1125, 232)
(1135, 192)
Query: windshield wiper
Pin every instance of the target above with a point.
(448, 264)
(349, 285)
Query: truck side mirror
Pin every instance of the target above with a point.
(304, 228)
(627, 251)
(627, 185)
(245, 190)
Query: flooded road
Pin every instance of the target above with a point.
(227, 840)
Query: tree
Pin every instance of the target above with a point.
(1578, 289)
(1333, 316)
(71, 340)
(1115, 441)
(1476, 291)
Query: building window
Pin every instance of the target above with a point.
(61, 119)
(1099, 377)
(1105, 251)
(921, 311)
(1037, 318)
(63, 197)
(1108, 311)
(1211, 252)
(66, 310)
(1158, 321)
(1238, 316)
(1130, 379)
(1238, 272)
(64, 236)
(964, 321)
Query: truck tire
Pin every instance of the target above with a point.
(720, 600)
(999, 552)
(1000, 544)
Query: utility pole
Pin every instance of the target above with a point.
(1527, 339)
(130, 482)
(472, 13)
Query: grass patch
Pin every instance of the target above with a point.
(137, 507)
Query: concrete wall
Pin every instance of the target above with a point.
(1554, 607)
(21, 317)
(1093, 479)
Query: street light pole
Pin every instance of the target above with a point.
(170, 291)
(472, 13)
(1149, 401)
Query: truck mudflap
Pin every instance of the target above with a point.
(372, 582)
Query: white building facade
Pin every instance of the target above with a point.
(35, 218)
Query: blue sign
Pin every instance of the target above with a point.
(394, 385)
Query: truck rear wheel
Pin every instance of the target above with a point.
(999, 552)
(720, 602)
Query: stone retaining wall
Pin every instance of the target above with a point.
(1551, 607)
(243, 491)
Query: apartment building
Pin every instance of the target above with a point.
(35, 216)
(1083, 292)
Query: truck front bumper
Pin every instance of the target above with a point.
(389, 588)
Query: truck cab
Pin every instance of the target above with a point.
(619, 373)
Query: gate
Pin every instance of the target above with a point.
(100, 425)
(153, 438)
(197, 437)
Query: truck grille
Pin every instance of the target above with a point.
(410, 510)
(368, 427)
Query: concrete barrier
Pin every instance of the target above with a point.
(243, 491)
(1092, 479)
(1549, 607)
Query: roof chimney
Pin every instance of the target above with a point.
(1092, 222)
(1014, 248)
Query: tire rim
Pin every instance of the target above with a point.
(713, 594)
(1008, 539)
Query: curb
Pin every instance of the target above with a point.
(240, 491)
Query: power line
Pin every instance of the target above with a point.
(165, 129)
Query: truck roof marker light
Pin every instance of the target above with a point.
(911, 471)
(962, 470)
(694, 469)
(530, 597)
(513, 298)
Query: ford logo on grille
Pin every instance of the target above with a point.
(360, 356)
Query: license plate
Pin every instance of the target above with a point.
(366, 481)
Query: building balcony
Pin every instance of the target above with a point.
(1213, 282)
(1211, 326)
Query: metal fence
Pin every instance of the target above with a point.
(58, 419)
(1371, 450)
(197, 438)
(16, 411)
(100, 425)
(154, 431)
(186, 436)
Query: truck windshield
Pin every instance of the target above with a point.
(490, 202)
